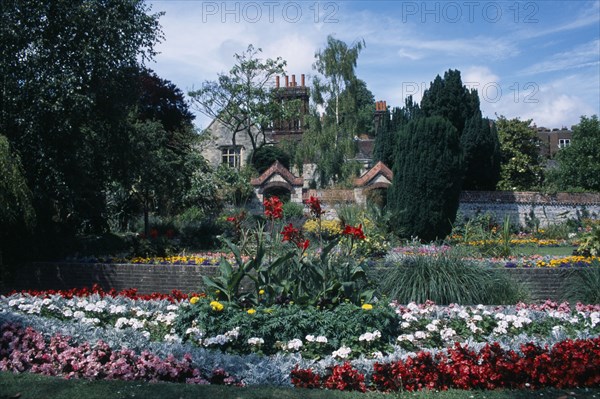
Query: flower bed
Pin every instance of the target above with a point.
(200, 259)
(424, 345)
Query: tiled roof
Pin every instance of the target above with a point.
(277, 168)
(379, 168)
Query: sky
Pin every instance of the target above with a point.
(537, 60)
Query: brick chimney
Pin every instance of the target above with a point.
(287, 81)
(302, 80)
(277, 81)
(293, 80)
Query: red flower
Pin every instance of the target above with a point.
(304, 245)
(315, 206)
(231, 219)
(290, 233)
(273, 208)
(355, 232)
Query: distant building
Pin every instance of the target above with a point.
(552, 140)
(220, 148)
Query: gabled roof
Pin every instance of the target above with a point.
(378, 170)
(277, 169)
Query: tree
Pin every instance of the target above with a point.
(481, 148)
(520, 166)
(69, 73)
(579, 163)
(427, 179)
(242, 100)
(16, 212)
(386, 135)
(449, 98)
(267, 155)
(329, 141)
(162, 160)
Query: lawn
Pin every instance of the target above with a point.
(544, 251)
(32, 386)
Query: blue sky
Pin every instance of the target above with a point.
(535, 60)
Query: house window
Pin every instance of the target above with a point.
(562, 143)
(231, 156)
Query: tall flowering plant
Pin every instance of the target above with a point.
(314, 205)
(324, 278)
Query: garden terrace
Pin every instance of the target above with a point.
(541, 283)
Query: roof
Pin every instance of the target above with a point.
(277, 169)
(378, 169)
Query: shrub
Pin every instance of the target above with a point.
(448, 278)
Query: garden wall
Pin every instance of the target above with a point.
(524, 207)
(542, 283)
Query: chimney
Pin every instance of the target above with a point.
(384, 106)
(302, 80)
(287, 81)
(277, 81)
(294, 80)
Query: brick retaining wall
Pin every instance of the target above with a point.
(542, 283)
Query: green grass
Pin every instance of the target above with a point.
(544, 251)
(32, 386)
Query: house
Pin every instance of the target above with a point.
(552, 140)
(220, 148)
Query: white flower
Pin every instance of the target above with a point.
(431, 327)
(370, 336)
(67, 313)
(342, 353)
(254, 341)
(408, 317)
(294, 345)
(79, 314)
(172, 338)
(377, 355)
(321, 339)
(405, 324)
(310, 338)
(406, 337)
(447, 333)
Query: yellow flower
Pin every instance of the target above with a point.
(216, 306)
(251, 311)
(194, 299)
(261, 292)
(367, 306)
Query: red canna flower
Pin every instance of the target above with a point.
(355, 232)
(315, 206)
(273, 208)
(290, 233)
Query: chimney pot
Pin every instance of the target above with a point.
(287, 81)
(294, 80)
(277, 82)
(302, 79)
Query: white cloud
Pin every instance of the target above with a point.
(582, 56)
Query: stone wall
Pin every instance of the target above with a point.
(541, 283)
(522, 207)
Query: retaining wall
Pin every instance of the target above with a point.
(542, 283)
(524, 207)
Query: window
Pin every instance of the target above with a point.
(562, 143)
(231, 156)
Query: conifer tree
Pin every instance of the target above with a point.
(481, 149)
(427, 179)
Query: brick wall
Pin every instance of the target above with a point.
(541, 283)
(146, 278)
